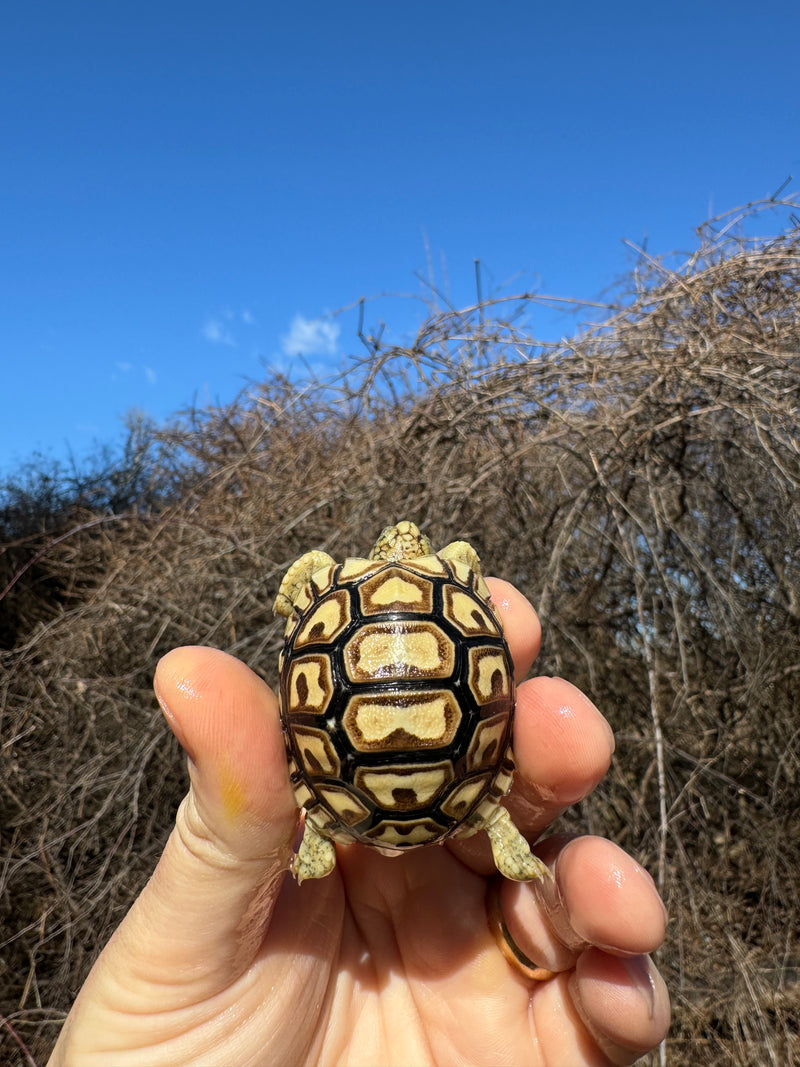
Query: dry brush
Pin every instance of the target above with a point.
(640, 484)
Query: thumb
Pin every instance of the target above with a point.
(201, 918)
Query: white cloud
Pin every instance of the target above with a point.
(248, 318)
(124, 368)
(217, 333)
(310, 337)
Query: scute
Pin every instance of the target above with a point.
(324, 620)
(466, 612)
(399, 721)
(404, 787)
(317, 755)
(398, 835)
(309, 684)
(404, 652)
(396, 589)
(489, 679)
(487, 743)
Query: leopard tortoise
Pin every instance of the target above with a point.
(397, 701)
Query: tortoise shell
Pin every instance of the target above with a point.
(396, 697)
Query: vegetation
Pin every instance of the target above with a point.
(639, 483)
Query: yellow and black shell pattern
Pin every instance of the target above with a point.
(397, 698)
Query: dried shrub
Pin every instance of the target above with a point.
(639, 484)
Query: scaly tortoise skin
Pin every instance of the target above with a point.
(397, 700)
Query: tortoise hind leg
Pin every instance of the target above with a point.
(512, 853)
(316, 856)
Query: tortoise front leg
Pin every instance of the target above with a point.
(461, 552)
(298, 575)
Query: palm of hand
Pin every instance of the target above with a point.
(397, 965)
(385, 962)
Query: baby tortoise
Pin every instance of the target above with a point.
(397, 701)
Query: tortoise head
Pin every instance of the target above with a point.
(399, 542)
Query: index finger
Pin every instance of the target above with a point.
(562, 744)
(521, 625)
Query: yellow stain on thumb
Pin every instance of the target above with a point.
(232, 795)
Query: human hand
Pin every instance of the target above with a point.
(224, 959)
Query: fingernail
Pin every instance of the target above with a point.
(551, 901)
(641, 976)
(172, 722)
(652, 882)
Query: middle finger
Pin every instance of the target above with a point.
(562, 749)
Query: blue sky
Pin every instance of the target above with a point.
(188, 191)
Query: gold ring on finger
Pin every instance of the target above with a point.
(506, 943)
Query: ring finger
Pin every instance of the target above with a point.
(593, 925)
